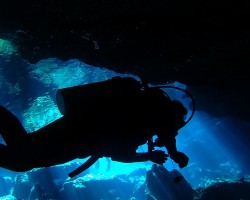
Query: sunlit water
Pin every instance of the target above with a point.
(215, 151)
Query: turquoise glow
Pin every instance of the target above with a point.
(214, 151)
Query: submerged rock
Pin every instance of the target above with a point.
(6, 184)
(22, 187)
(92, 189)
(162, 184)
(8, 197)
(225, 190)
(155, 184)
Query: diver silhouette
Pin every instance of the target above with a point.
(103, 119)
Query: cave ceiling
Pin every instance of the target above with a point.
(203, 44)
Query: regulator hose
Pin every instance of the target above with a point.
(186, 92)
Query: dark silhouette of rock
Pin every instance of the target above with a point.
(225, 190)
(202, 44)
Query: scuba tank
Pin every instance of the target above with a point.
(77, 99)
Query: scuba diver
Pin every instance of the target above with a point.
(104, 119)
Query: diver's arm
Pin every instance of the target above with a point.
(170, 145)
(157, 156)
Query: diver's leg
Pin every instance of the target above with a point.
(11, 129)
(4, 156)
(13, 160)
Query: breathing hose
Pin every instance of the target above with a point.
(189, 94)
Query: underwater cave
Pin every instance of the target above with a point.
(199, 47)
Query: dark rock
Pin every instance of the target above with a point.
(225, 190)
(204, 45)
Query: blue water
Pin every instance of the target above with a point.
(216, 146)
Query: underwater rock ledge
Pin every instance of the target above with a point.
(154, 184)
(225, 190)
(203, 44)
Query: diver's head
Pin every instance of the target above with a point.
(179, 113)
(172, 118)
(157, 100)
(164, 111)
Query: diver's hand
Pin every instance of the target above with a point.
(158, 157)
(181, 159)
